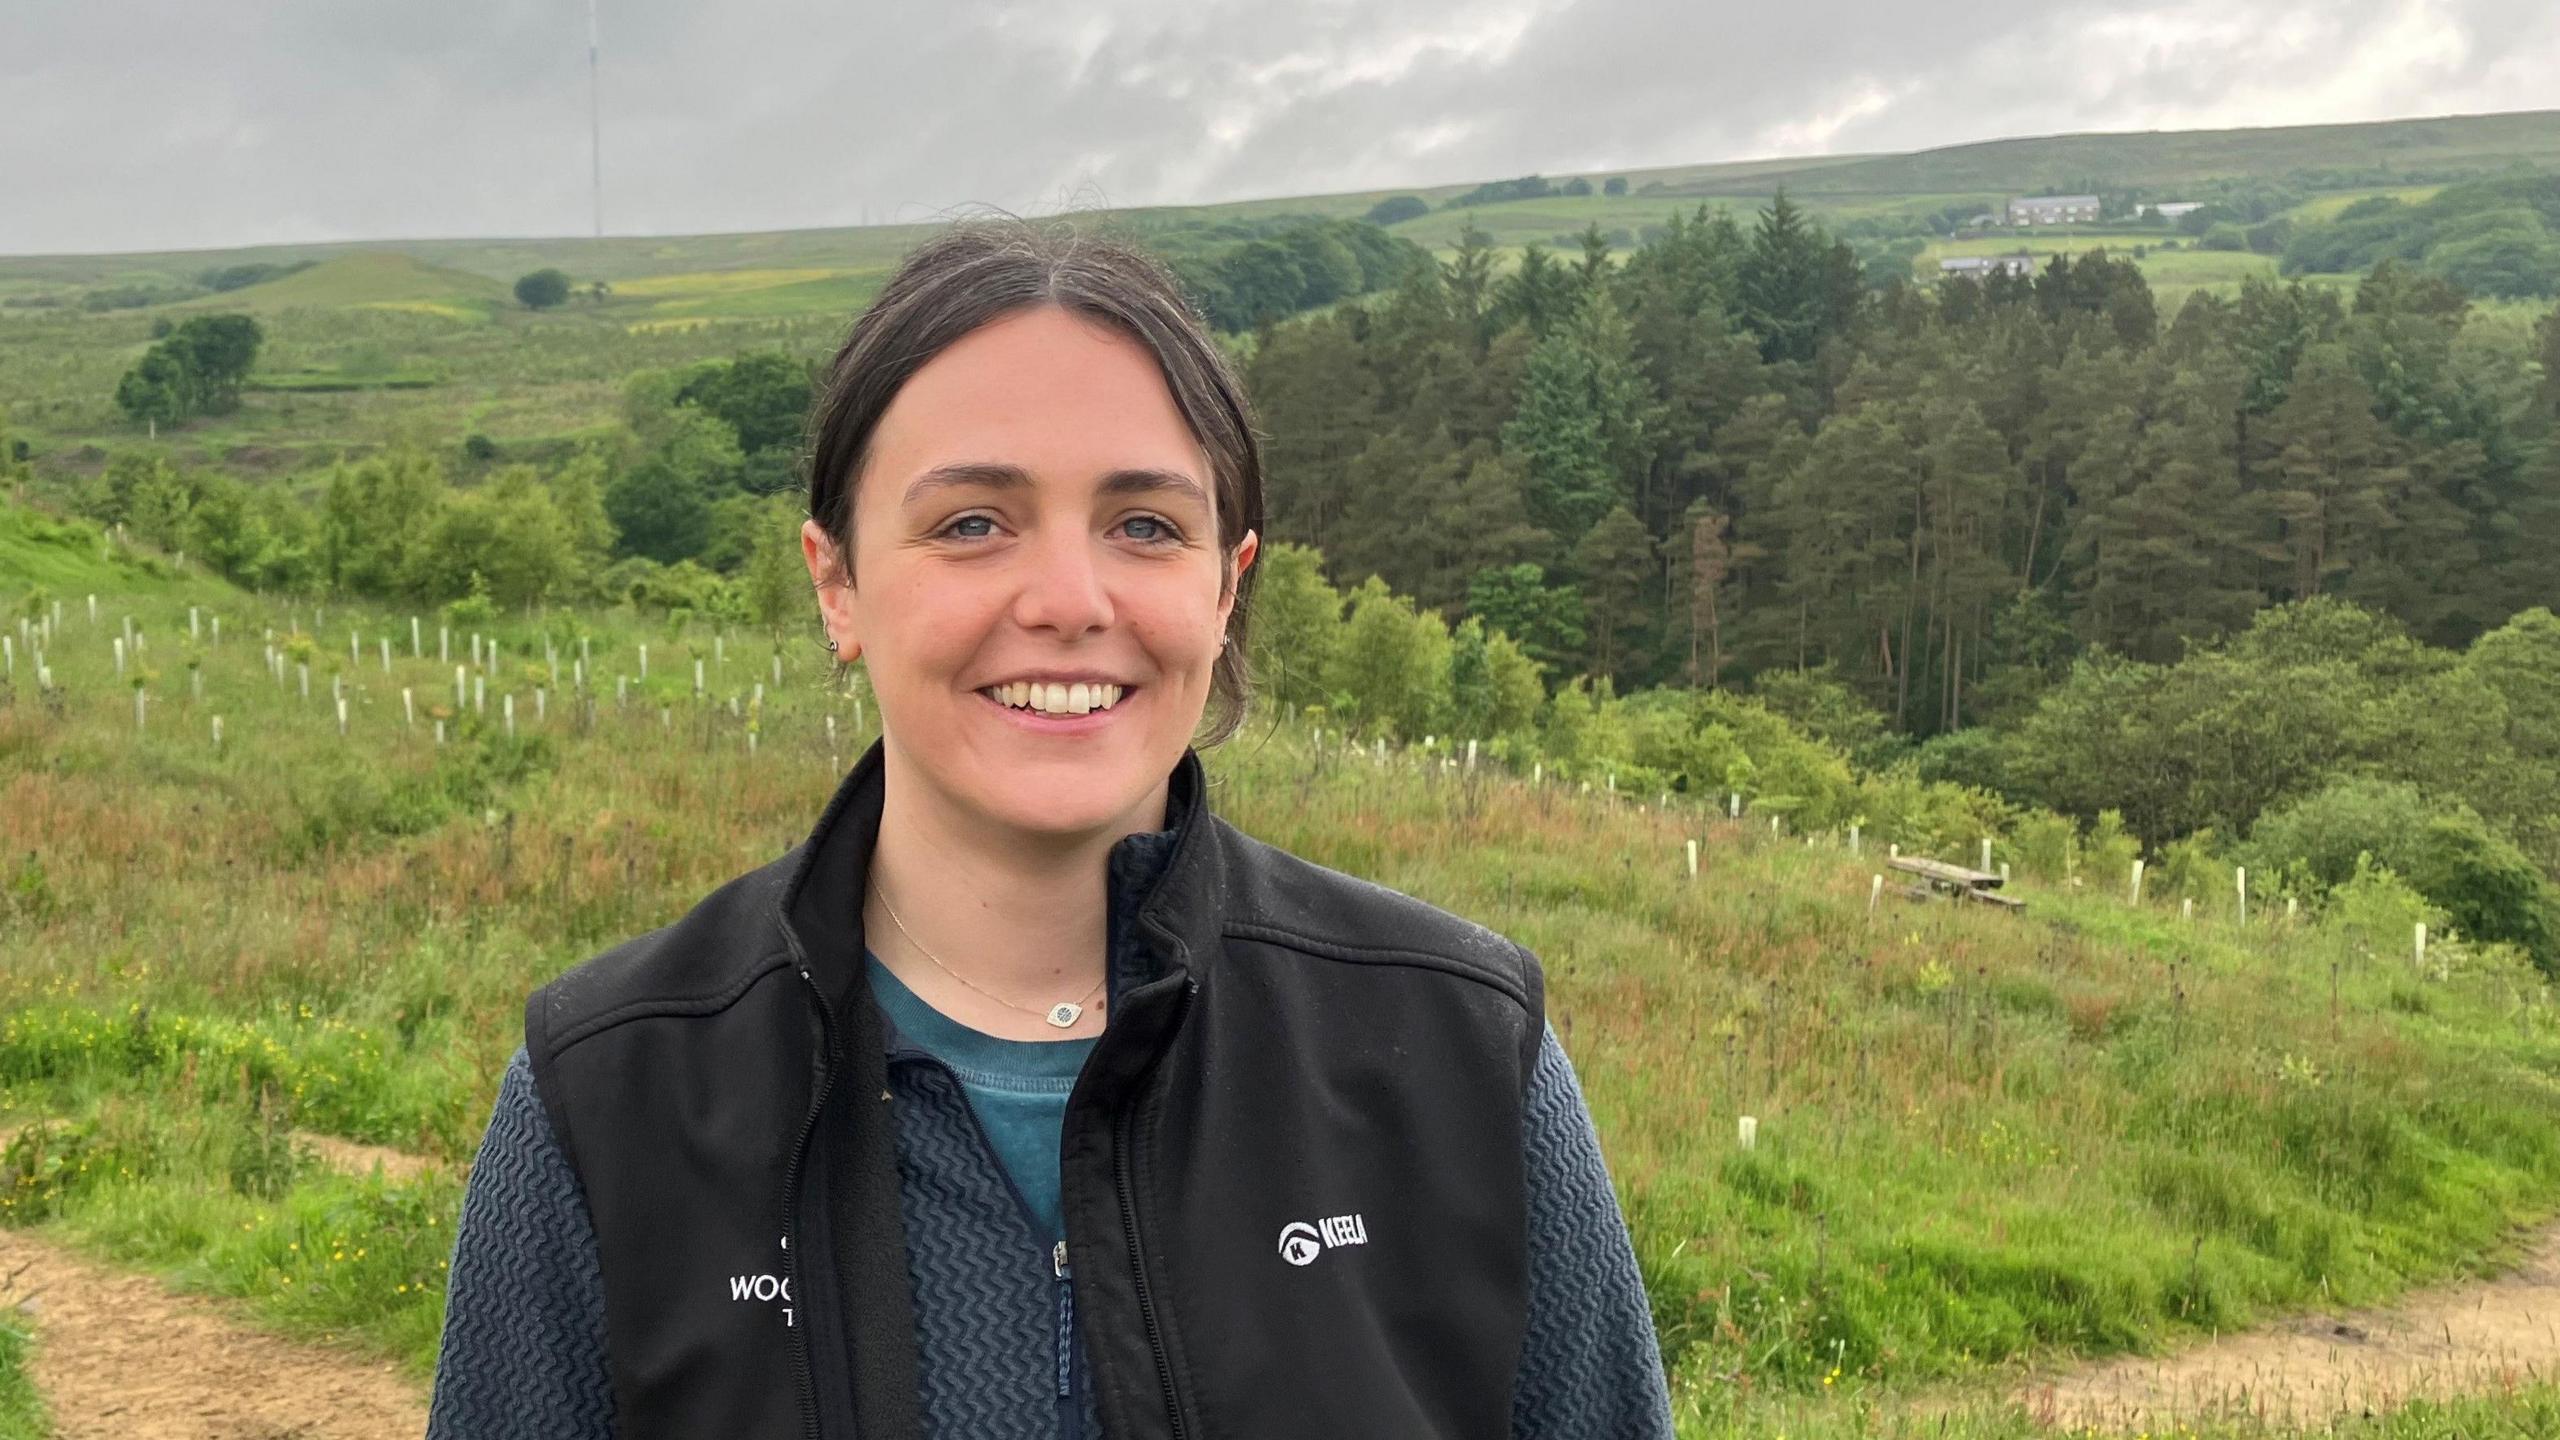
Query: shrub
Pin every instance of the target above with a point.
(2110, 851)
(2323, 833)
(2488, 888)
(1397, 208)
(1974, 756)
(2482, 881)
(2048, 845)
(2379, 910)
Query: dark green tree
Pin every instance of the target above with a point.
(542, 289)
(763, 395)
(1615, 563)
(1545, 617)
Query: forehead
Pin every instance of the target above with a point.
(1066, 399)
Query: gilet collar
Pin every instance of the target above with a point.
(1164, 896)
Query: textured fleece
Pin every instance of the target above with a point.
(524, 1344)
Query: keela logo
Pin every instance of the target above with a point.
(1301, 1243)
(767, 1290)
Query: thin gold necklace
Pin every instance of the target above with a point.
(1064, 1014)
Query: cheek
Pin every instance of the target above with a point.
(933, 630)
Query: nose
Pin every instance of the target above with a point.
(1063, 586)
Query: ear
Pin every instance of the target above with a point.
(827, 576)
(1241, 560)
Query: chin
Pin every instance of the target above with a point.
(1063, 809)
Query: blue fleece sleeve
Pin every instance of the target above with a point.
(1591, 1364)
(523, 1352)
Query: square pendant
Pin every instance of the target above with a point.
(1064, 1015)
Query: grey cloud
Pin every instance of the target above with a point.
(135, 125)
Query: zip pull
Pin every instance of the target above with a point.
(1066, 1328)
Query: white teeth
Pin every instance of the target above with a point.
(1076, 698)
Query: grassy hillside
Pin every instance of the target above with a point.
(68, 560)
(1984, 1142)
(381, 280)
(2467, 143)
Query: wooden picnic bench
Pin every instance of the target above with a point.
(1954, 881)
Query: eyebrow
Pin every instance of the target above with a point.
(997, 475)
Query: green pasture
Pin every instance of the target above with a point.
(2162, 159)
(2326, 207)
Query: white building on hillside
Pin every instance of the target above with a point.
(1982, 267)
(2052, 209)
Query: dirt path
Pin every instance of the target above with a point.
(119, 1356)
(2480, 1335)
(349, 1157)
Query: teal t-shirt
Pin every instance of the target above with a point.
(1018, 1087)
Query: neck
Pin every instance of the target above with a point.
(1023, 916)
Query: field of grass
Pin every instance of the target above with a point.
(2326, 207)
(2170, 158)
(382, 280)
(2172, 274)
(1985, 1144)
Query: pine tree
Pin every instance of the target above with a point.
(1701, 556)
(1616, 564)
(1788, 282)
(1539, 293)
(1966, 475)
(2168, 563)
(1311, 384)
(2329, 495)
(1845, 518)
(1469, 277)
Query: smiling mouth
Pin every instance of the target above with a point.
(1057, 700)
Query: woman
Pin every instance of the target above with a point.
(1027, 1097)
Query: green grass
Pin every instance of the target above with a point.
(1985, 1143)
(22, 1414)
(2326, 207)
(70, 559)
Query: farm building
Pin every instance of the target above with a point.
(1983, 266)
(2172, 209)
(2052, 209)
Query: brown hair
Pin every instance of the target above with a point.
(980, 270)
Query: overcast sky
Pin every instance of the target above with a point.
(151, 124)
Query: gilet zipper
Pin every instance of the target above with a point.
(1124, 1168)
(1070, 1423)
(803, 1365)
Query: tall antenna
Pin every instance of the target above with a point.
(595, 121)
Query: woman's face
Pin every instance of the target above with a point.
(1035, 513)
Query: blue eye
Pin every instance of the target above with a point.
(969, 520)
(1166, 534)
